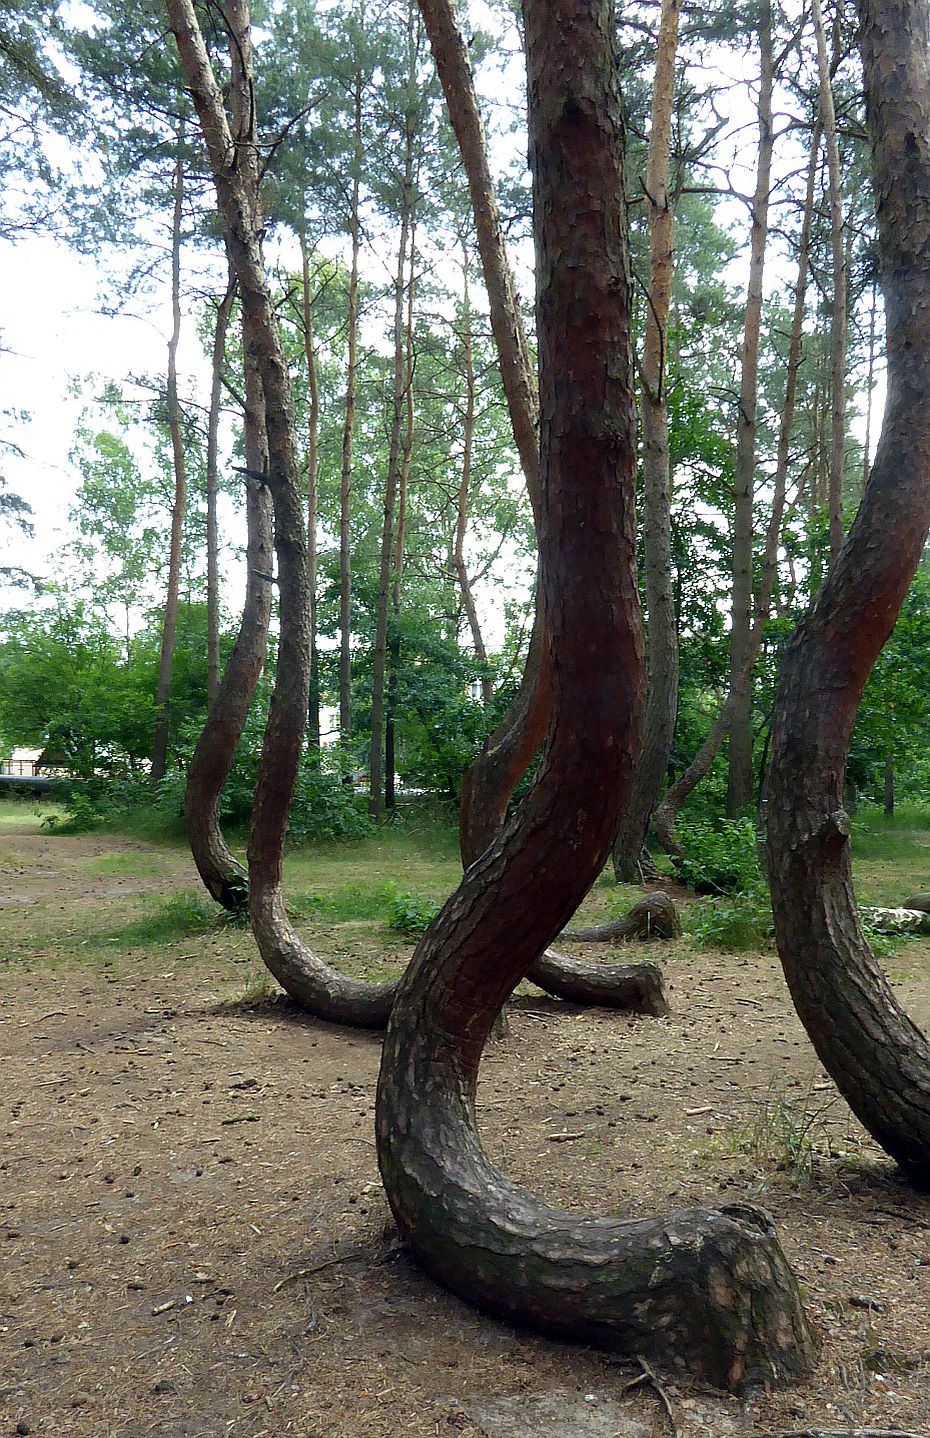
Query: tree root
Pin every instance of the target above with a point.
(652, 917)
(635, 987)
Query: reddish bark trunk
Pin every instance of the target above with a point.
(708, 1290)
(877, 1057)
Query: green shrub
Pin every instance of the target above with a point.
(719, 858)
(409, 914)
(736, 923)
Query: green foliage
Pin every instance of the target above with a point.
(409, 914)
(738, 923)
(719, 858)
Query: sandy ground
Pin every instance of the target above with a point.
(195, 1243)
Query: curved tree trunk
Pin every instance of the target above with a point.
(706, 1290)
(877, 1057)
(661, 616)
(225, 878)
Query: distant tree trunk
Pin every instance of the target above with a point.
(220, 329)
(662, 620)
(667, 812)
(739, 777)
(225, 877)
(390, 714)
(313, 430)
(379, 654)
(170, 619)
(461, 518)
(838, 318)
(345, 481)
(706, 1290)
(490, 781)
(889, 783)
(878, 1058)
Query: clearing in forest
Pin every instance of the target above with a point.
(194, 1236)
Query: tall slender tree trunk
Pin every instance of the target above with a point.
(313, 431)
(220, 330)
(461, 518)
(707, 1290)
(379, 656)
(739, 777)
(348, 428)
(170, 619)
(226, 879)
(400, 529)
(662, 701)
(838, 317)
(668, 810)
(878, 1058)
(490, 781)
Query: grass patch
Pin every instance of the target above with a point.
(119, 863)
(179, 917)
(783, 1134)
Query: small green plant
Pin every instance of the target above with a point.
(719, 858)
(784, 1134)
(736, 923)
(409, 914)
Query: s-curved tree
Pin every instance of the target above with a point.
(878, 1058)
(708, 1290)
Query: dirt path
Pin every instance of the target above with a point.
(195, 1242)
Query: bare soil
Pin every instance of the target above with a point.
(194, 1239)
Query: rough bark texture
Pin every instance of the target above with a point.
(705, 1290)
(878, 1058)
(636, 988)
(739, 776)
(170, 617)
(653, 917)
(225, 878)
(662, 620)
